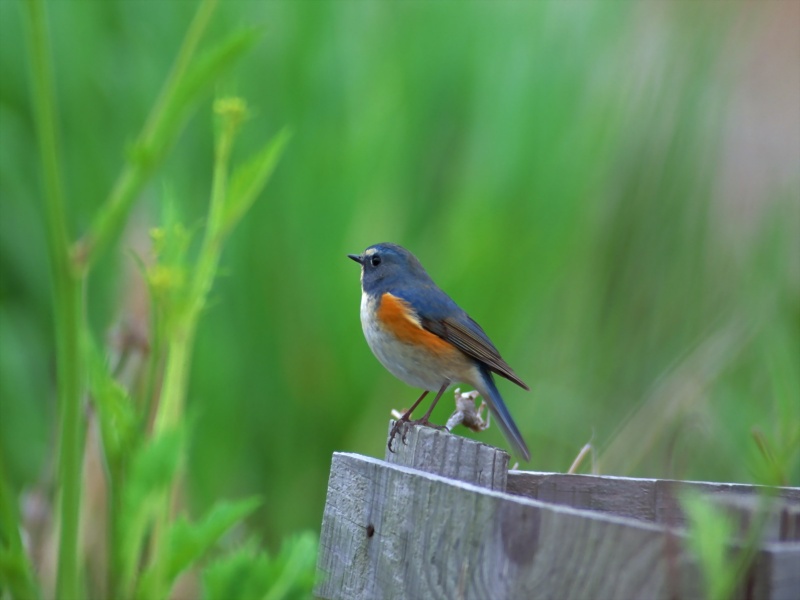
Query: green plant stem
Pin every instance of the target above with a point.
(117, 471)
(150, 147)
(114, 572)
(67, 295)
(175, 380)
(179, 353)
(179, 356)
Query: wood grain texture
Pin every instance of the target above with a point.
(777, 519)
(390, 532)
(653, 500)
(451, 456)
(432, 521)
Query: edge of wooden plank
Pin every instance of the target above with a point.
(652, 500)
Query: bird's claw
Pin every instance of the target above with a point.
(405, 424)
(400, 424)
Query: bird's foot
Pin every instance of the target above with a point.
(403, 424)
(400, 424)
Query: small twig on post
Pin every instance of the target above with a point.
(588, 448)
(467, 413)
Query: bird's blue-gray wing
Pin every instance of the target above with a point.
(440, 315)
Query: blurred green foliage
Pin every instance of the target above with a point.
(709, 528)
(555, 165)
(709, 531)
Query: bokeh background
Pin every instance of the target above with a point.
(612, 189)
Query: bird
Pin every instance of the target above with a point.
(426, 340)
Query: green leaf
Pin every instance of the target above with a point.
(115, 410)
(249, 573)
(244, 574)
(295, 566)
(215, 61)
(152, 469)
(188, 542)
(199, 78)
(709, 532)
(16, 572)
(249, 179)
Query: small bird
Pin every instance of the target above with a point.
(425, 339)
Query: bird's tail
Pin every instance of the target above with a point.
(488, 390)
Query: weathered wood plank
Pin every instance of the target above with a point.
(619, 496)
(776, 572)
(451, 456)
(392, 532)
(777, 520)
(653, 500)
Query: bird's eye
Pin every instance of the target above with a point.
(375, 260)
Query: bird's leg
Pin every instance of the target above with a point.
(424, 420)
(403, 421)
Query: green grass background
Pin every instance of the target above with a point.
(555, 165)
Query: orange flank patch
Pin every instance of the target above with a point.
(397, 316)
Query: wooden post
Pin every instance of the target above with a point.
(451, 456)
(391, 531)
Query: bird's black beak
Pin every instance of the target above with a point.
(357, 258)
